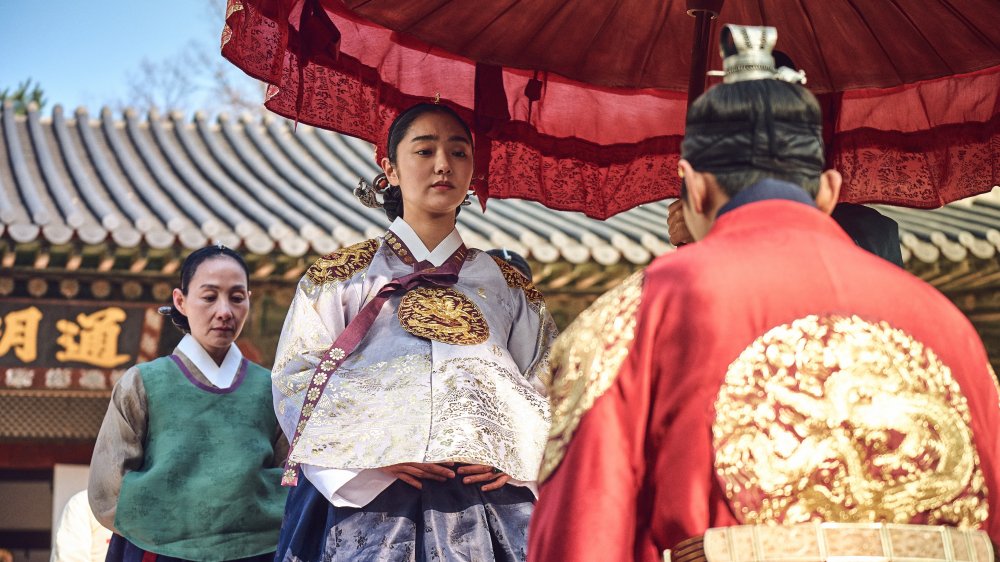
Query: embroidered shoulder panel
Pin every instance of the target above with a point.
(344, 263)
(585, 360)
(835, 418)
(517, 279)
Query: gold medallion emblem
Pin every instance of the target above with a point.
(444, 315)
(834, 418)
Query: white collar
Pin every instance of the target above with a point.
(438, 256)
(221, 376)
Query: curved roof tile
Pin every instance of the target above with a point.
(74, 217)
(38, 208)
(87, 189)
(210, 211)
(100, 156)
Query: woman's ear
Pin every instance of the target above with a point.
(179, 301)
(390, 171)
(829, 190)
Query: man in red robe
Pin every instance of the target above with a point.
(771, 373)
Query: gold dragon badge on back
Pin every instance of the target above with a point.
(838, 419)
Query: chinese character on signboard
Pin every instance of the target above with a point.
(93, 338)
(20, 333)
(53, 336)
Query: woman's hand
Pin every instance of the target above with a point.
(677, 229)
(481, 473)
(413, 472)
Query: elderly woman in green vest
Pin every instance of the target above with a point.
(186, 465)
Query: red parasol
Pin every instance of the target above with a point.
(580, 105)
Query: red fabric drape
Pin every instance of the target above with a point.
(599, 149)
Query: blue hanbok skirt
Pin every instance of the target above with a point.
(121, 549)
(444, 522)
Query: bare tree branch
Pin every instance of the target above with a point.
(197, 78)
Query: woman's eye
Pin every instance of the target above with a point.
(460, 153)
(424, 152)
(238, 298)
(209, 298)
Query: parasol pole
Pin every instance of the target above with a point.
(703, 12)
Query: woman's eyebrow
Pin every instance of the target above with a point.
(455, 138)
(216, 287)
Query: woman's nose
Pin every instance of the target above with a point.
(225, 311)
(443, 164)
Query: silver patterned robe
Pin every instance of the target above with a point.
(465, 390)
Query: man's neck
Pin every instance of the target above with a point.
(766, 189)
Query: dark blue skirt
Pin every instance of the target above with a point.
(444, 522)
(121, 549)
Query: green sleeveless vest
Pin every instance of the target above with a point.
(204, 491)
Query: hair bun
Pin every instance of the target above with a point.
(392, 202)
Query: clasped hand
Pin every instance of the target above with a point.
(677, 230)
(413, 472)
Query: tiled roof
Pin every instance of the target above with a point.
(268, 188)
(262, 186)
(961, 230)
(265, 186)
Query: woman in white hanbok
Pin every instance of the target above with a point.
(410, 373)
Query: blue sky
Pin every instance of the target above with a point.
(82, 53)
